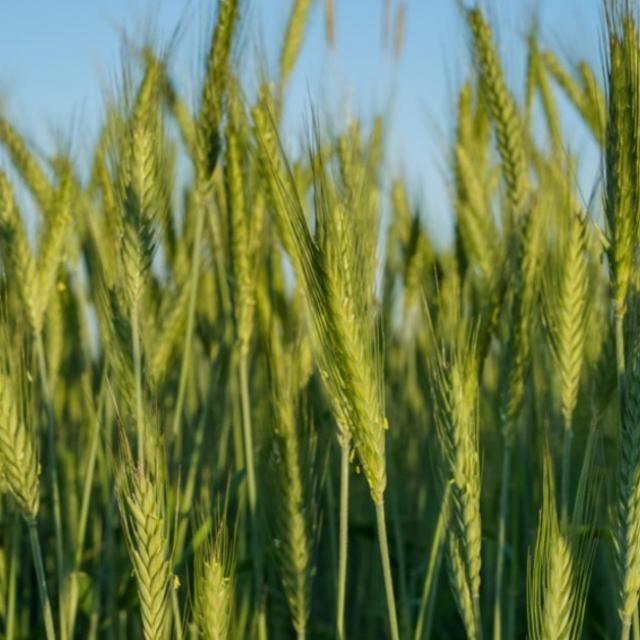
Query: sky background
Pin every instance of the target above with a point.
(57, 57)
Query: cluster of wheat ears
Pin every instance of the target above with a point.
(192, 369)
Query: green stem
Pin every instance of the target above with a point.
(248, 432)
(42, 583)
(88, 480)
(502, 539)
(343, 539)
(401, 576)
(251, 486)
(12, 580)
(177, 622)
(55, 484)
(193, 285)
(423, 629)
(386, 571)
(620, 364)
(566, 471)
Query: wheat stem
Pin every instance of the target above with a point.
(386, 571)
(42, 583)
(12, 580)
(502, 537)
(55, 485)
(566, 470)
(186, 351)
(248, 432)
(425, 618)
(343, 539)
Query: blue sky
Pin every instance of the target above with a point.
(59, 55)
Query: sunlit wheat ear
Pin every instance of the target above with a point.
(215, 583)
(144, 519)
(138, 187)
(503, 112)
(454, 379)
(18, 459)
(558, 571)
(345, 326)
(566, 309)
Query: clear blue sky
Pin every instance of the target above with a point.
(58, 56)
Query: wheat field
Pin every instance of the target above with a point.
(261, 402)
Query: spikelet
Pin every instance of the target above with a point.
(345, 332)
(293, 38)
(622, 178)
(454, 379)
(52, 247)
(628, 511)
(581, 99)
(143, 515)
(208, 136)
(238, 229)
(294, 508)
(567, 311)
(17, 253)
(546, 95)
(528, 256)
(595, 99)
(503, 112)
(474, 220)
(139, 186)
(18, 459)
(272, 173)
(28, 167)
(215, 583)
(559, 569)
(173, 101)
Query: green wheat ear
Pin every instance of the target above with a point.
(454, 380)
(18, 459)
(293, 39)
(214, 584)
(27, 165)
(292, 469)
(17, 254)
(503, 110)
(207, 128)
(558, 571)
(142, 506)
(622, 178)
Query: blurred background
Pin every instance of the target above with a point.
(404, 59)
